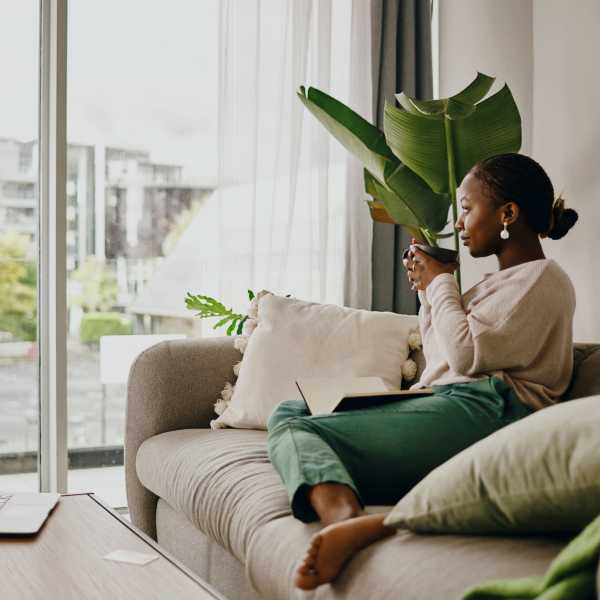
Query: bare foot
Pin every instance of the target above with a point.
(334, 546)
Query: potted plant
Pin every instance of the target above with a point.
(412, 167)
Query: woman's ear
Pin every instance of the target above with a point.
(510, 213)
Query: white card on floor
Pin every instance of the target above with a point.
(128, 556)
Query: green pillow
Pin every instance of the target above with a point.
(538, 475)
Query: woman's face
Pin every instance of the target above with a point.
(480, 222)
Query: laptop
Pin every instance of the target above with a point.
(24, 512)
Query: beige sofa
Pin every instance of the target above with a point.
(213, 500)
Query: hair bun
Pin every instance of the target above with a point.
(562, 219)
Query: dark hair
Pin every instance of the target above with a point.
(520, 179)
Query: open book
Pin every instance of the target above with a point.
(325, 395)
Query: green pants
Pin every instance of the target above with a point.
(383, 451)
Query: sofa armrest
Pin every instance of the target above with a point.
(172, 385)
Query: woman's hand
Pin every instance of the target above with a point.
(422, 269)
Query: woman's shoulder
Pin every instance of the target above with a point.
(525, 293)
(543, 278)
(543, 281)
(556, 281)
(542, 271)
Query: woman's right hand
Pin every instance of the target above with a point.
(408, 260)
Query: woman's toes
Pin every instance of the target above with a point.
(307, 582)
(305, 569)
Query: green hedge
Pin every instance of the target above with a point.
(22, 327)
(95, 325)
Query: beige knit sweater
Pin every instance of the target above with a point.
(516, 324)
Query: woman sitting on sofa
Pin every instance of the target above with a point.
(494, 355)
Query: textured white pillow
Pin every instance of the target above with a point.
(294, 338)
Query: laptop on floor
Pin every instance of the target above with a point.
(24, 512)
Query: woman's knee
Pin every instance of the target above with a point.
(288, 409)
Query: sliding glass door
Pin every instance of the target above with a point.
(19, 67)
(141, 164)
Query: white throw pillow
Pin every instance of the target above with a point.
(292, 338)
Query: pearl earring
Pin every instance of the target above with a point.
(504, 233)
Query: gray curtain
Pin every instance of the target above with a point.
(401, 51)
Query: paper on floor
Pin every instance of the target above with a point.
(128, 556)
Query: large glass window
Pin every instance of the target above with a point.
(19, 434)
(148, 86)
(141, 127)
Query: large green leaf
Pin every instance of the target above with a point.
(397, 209)
(476, 90)
(420, 143)
(379, 213)
(473, 93)
(356, 134)
(493, 128)
(477, 131)
(430, 208)
(408, 200)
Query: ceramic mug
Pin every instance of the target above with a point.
(443, 255)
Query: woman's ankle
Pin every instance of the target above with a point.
(334, 502)
(336, 514)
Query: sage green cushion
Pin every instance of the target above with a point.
(538, 475)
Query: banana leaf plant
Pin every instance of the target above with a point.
(412, 167)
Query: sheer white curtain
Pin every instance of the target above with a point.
(289, 212)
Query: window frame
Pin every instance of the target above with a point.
(52, 265)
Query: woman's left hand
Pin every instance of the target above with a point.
(425, 269)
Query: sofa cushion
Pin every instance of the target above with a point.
(407, 566)
(222, 481)
(293, 339)
(586, 372)
(537, 475)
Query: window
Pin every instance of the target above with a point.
(113, 212)
(141, 132)
(19, 40)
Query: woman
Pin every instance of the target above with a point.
(493, 356)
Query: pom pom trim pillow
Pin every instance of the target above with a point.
(538, 475)
(293, 338)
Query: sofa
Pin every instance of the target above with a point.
(212, 499)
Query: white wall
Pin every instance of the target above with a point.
(494, 37)
(566, 134)
(547, 51)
